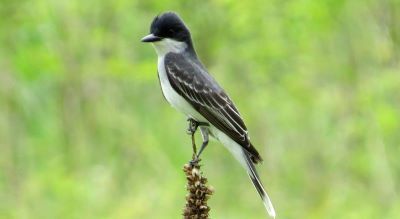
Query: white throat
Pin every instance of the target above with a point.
(168, 45)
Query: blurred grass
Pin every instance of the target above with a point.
(85, 132)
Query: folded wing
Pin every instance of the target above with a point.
(190, 79)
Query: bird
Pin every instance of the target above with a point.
(190, 89)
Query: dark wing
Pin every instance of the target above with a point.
(189, 78)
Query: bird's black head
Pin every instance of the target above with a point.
(168, 25)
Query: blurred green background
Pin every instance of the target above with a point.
(86, 133)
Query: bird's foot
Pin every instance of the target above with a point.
(195, 161)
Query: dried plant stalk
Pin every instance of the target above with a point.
(196, 201)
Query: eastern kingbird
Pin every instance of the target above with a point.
(190, 89)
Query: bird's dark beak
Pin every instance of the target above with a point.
(151, 38)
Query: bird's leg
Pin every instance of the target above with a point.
(204, 134)
(193, 125)
(192, 128)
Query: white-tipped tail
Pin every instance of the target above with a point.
(244, 159)
(255, 179)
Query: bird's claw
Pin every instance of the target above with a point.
(195, 161)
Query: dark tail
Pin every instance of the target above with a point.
(251, 170)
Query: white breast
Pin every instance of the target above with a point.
(176, 100)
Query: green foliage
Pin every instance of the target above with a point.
(85, 132)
